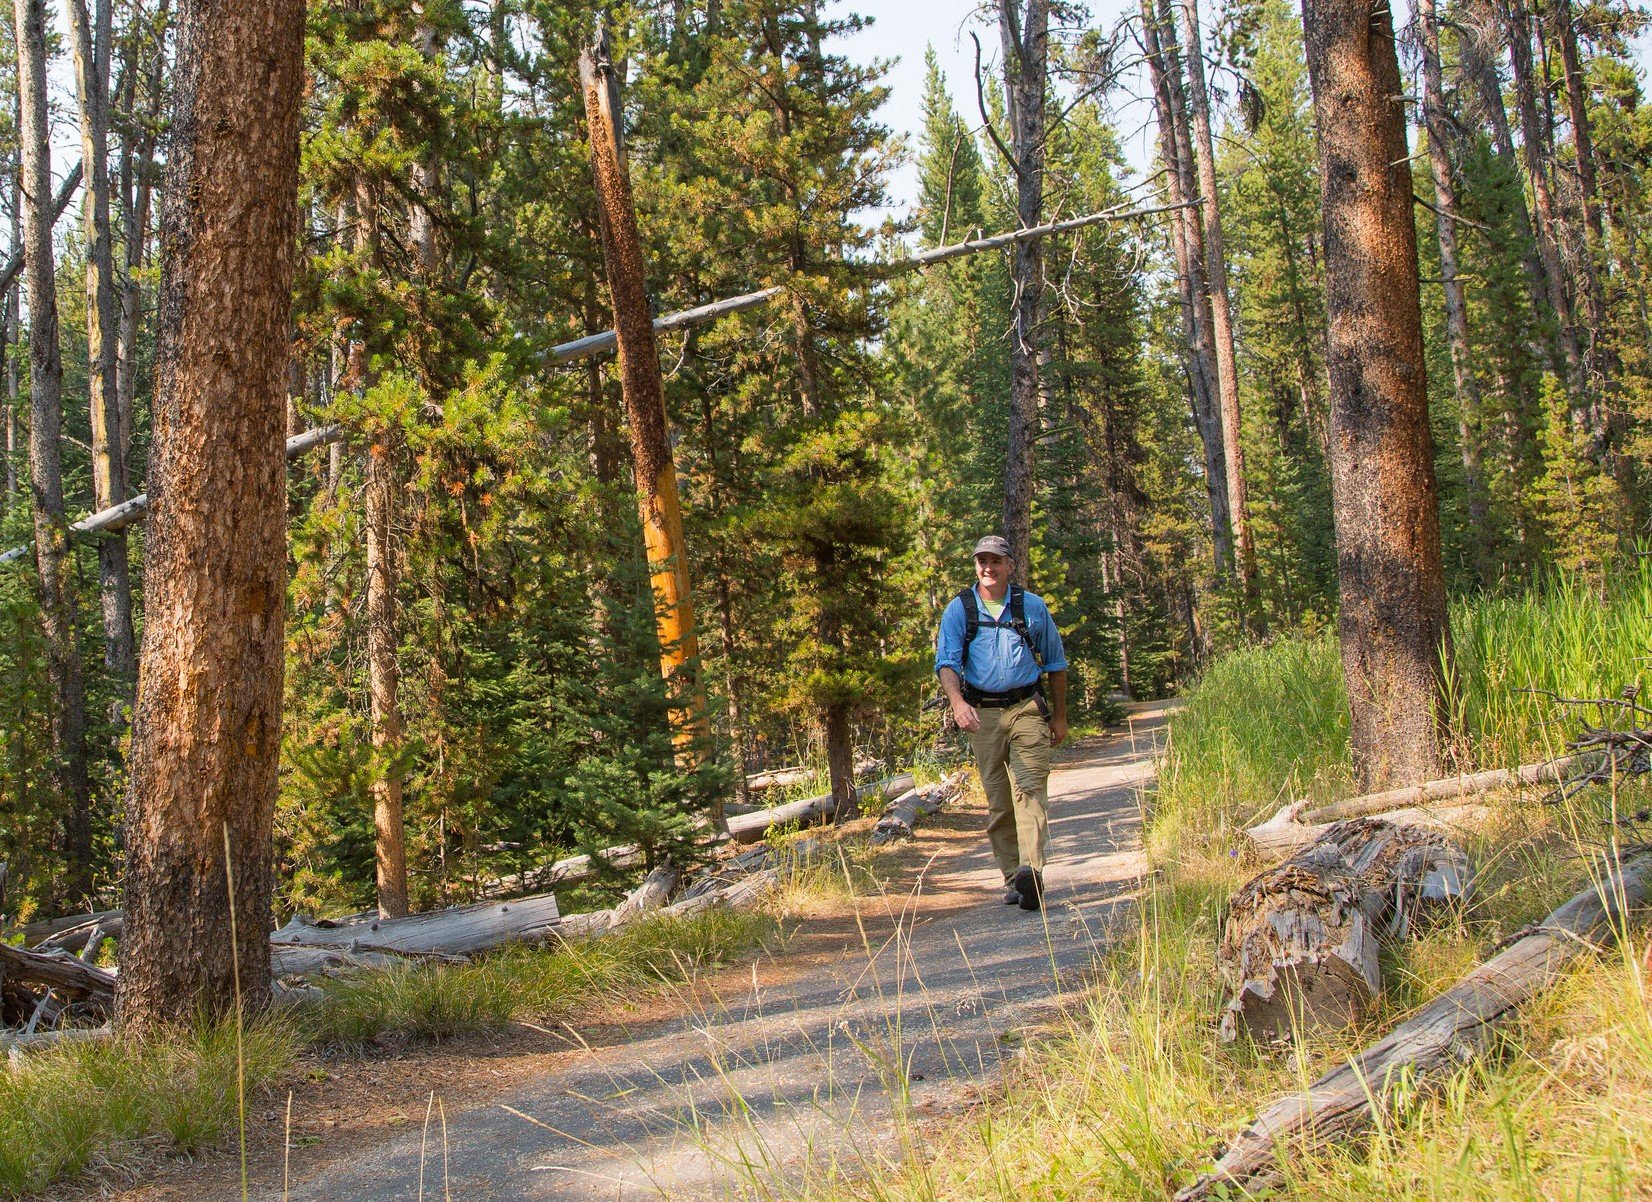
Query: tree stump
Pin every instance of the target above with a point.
(1300, 941)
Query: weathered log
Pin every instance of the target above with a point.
(307, 961)
(108, 925)
(1299, 943)
(1274, 840)
(1431, 1046)
(654, 892)
(457, 931)
(59, 971)
(901, 818)
(15, 1044)
(36, 933)
(782, 778)
(749, 828)
(1289, 827)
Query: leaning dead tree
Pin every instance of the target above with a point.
(644, 392)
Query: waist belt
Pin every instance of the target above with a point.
(993, 701)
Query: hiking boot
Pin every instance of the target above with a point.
(1028, 886)
(1012, 896)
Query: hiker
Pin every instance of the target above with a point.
(996, 643)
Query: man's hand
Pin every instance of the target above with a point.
(1058, 730)
(963, 713)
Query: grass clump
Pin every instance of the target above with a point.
(78, 1106)
(1268, 725)
(436, 1001)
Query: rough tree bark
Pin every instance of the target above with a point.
(92, 40)
(1184, 242)
(642, 388)
(1024, 33)
(1221, 307)
(1437, 122)
(208, 721)
(1392, 622)
(51, 537)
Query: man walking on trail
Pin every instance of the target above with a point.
(996, 642)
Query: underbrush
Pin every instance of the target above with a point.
(114, 1105)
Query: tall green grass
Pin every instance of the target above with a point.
(1267, 725)
(114, 1104)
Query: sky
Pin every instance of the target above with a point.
(901, 30)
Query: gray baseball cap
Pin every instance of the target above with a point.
(992, 544)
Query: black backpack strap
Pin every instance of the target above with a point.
(972, 624)
(1017, 608)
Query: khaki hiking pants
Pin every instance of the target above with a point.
(1012, 754)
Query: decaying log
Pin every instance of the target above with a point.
(107, 925)
(782, 778)
(1292, 825)
(36, 933)
(899, 820)
(61, 972)
(457, 931)
(1428, 1048)
(1299, 944)
(15, 1044)
(1274, 839)
(654, 892)
(811, 811)
(291, 961)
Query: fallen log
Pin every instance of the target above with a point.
(1275, 840)
(61, 972)
(652, 895)
(901, 818)
(1290, 826)
(36, 933)
(15, 1044)
(1424, 1051)
(811, 811)
(108, 925)
(1300, 941)
(782, 778)
(456, 931)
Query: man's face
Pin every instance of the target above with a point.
(993, 571)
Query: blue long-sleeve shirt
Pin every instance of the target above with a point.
(999, 659)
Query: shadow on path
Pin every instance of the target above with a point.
(758, 1087)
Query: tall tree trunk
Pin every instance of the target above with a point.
(1480, 44)
(1392, 620)
(137, 193)
(1534, 152)
(1592, 253)
(207, 729)
(51, 531)
(383, 586)
(1437, 124)
(643, 389)
(13, 315)
(1221, 308)
(1023, 32)
(1190, 287)
(93, 45)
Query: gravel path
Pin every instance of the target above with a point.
(764, 1084)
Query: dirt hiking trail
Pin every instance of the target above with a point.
(917, 998)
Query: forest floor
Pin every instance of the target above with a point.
(872, 1016)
